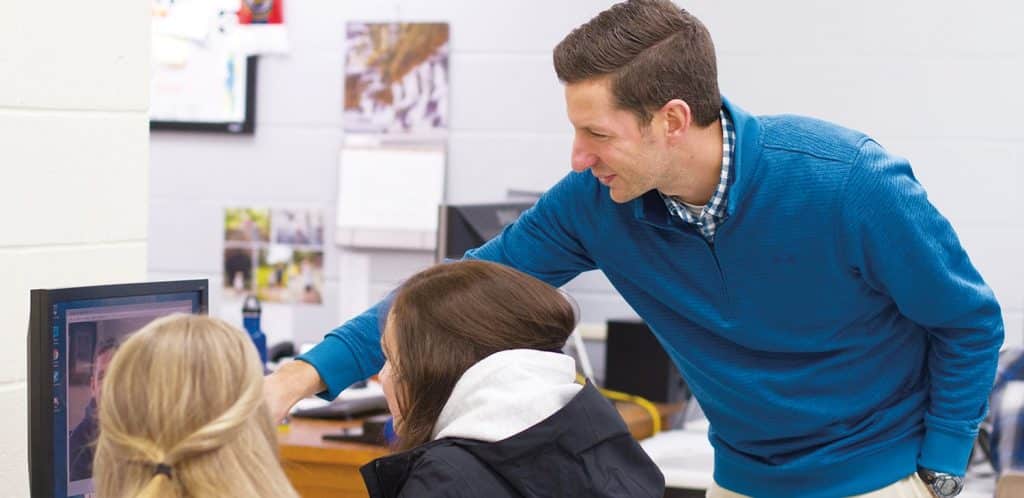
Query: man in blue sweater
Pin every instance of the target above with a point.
(820, 308)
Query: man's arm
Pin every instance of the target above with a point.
(346, 355)
(290, 383)
(905, 249)
(541, 243)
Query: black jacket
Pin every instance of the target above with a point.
(583, 450)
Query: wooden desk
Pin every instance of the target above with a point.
(319, 468)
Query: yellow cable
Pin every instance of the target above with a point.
(637, 400)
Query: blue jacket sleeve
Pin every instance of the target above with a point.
(904, 248)
(351, 352)
(542, 243)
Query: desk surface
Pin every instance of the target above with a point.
(319, 468)
(303, 441)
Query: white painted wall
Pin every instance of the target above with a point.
(74, 153)
(937, 82)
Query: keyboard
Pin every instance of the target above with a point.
(345, 408)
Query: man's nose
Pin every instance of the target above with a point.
(582, 159)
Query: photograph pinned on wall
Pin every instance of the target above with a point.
(261, 27)
(396, 78)
(261, 12)
(246, 225)
(289, 275)
(238, 265)
(276, 254)
(298, 227)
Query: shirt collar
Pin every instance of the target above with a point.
(716, 206)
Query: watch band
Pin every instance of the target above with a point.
(942, 484)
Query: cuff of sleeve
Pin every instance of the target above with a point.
(946, 452)
(335, 364)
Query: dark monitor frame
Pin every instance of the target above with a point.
(452, 222)
(245, 127)
(40, 371)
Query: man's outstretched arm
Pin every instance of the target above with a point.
(542, 243)
(290, 383)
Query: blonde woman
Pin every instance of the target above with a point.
(183, 415)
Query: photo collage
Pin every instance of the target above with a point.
(275, 254)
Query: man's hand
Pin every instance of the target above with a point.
(290, 383)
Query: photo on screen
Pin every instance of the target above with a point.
(93, 336)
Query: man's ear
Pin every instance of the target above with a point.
(678, 118)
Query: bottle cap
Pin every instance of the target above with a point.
(251, 304)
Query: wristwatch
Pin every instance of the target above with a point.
(942, 484)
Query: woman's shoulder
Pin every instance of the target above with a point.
(448, 469)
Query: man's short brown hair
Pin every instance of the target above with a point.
(653, 51)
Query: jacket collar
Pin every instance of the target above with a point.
(582, 424)
(650, 207)
(586, 421)
(507, 393)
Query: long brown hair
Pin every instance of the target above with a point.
(184, 396)
(653, 51)
(450, 316)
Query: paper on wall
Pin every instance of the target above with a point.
(186, 19)
(391, 188)
(262, 39)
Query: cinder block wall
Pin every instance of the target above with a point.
(74, 158)
(937, 82)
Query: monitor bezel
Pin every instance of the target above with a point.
(247, 126)
(451, 215)
(40, 366)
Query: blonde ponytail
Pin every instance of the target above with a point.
(159, 486)
(224, 428)
(182, 414)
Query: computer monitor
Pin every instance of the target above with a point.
(72, 335)
(467, 226)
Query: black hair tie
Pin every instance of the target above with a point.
(163, 468)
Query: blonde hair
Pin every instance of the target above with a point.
(186, 392)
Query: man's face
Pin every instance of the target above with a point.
(628, 159)
(99, 372)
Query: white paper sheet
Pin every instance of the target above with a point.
(390, 188)
(263, 39)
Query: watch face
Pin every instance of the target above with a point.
(947, 486)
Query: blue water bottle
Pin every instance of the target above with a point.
(251, 320)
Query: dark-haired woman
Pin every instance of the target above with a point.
(484, 403)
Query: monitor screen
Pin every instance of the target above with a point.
(201, 78)
(468, 226)
(214, 96)
(73, 334)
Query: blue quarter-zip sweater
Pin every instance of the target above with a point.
(836, 333)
